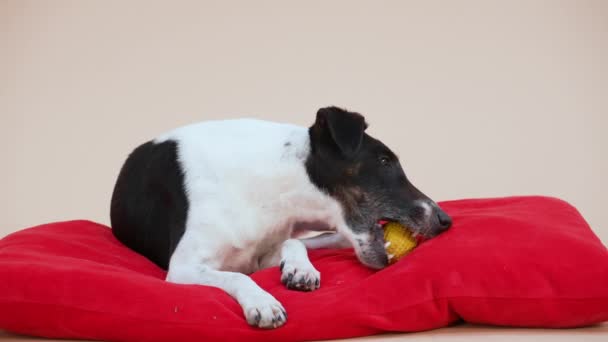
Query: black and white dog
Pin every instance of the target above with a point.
(214, 201)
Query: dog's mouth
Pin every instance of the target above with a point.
(372, 250)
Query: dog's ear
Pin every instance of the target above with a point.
(345, 129)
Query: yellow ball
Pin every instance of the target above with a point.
(401, 241)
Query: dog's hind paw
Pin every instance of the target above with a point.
(264, 311)
(300, 276)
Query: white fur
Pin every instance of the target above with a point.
(247, 188)
(427, 207)
(326, 240)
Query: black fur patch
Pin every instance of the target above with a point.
(149, 204)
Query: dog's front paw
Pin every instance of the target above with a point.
(300, 276)
(264, 311)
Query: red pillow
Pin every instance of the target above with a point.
(519, 261)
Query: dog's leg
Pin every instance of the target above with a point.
(260, 308)
(192, 263)
(326, 240)
(297, 272)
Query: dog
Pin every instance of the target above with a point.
(214, 201)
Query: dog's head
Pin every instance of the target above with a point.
(366, 177)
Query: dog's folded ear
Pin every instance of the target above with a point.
(344, 129)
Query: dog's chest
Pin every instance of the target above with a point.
(254, 254)
(267, 215)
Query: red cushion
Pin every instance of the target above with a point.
(519, 261)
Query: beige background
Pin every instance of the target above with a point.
(480, 98)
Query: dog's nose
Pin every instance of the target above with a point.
(445, 221)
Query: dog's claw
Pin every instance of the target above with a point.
(390, 256)
(258, 317)
(388, 243)
(282, 265)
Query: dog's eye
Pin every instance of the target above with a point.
(384, 160)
